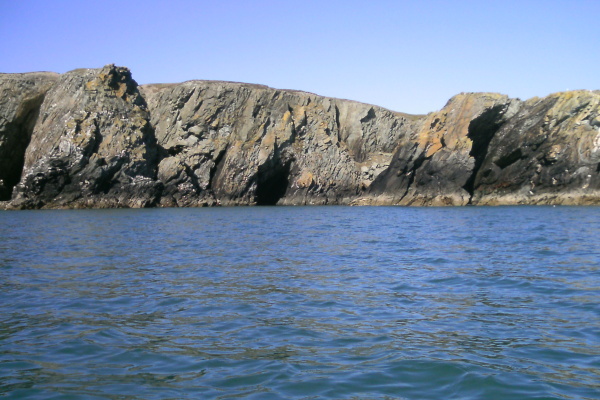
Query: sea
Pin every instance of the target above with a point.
(301, 303)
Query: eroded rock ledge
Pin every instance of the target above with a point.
(94, 138)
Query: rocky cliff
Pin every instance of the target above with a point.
(94, 138)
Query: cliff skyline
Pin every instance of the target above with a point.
(94, 138)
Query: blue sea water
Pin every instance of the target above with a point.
(301, 303)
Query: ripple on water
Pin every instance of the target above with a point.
(304, 302)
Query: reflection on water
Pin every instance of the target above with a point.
(303, 302)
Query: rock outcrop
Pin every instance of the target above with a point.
(92, 145)
(437, 164)
(548, 153)
(94, 138)
(21, 96)
(232, 143)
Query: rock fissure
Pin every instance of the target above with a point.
(217, 167)
(411, 172)
(481, 132)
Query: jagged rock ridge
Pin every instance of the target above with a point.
(94, 138)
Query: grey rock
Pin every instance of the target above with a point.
(21, 96)
(92, 145)
(233, 144)
(437, 164)
(548, 153)
(93, 138)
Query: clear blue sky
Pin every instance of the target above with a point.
(409, 56)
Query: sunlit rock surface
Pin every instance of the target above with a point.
(94, 138)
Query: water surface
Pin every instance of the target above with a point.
(301, 303)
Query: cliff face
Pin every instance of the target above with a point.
(92, 145)
(438, 162)
(241, 144)
(21, 96)
(548, 153)
(93, 138)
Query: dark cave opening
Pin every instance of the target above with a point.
(17, 136)
(481, 131)
(272, 183)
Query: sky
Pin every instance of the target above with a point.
(408, 56)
